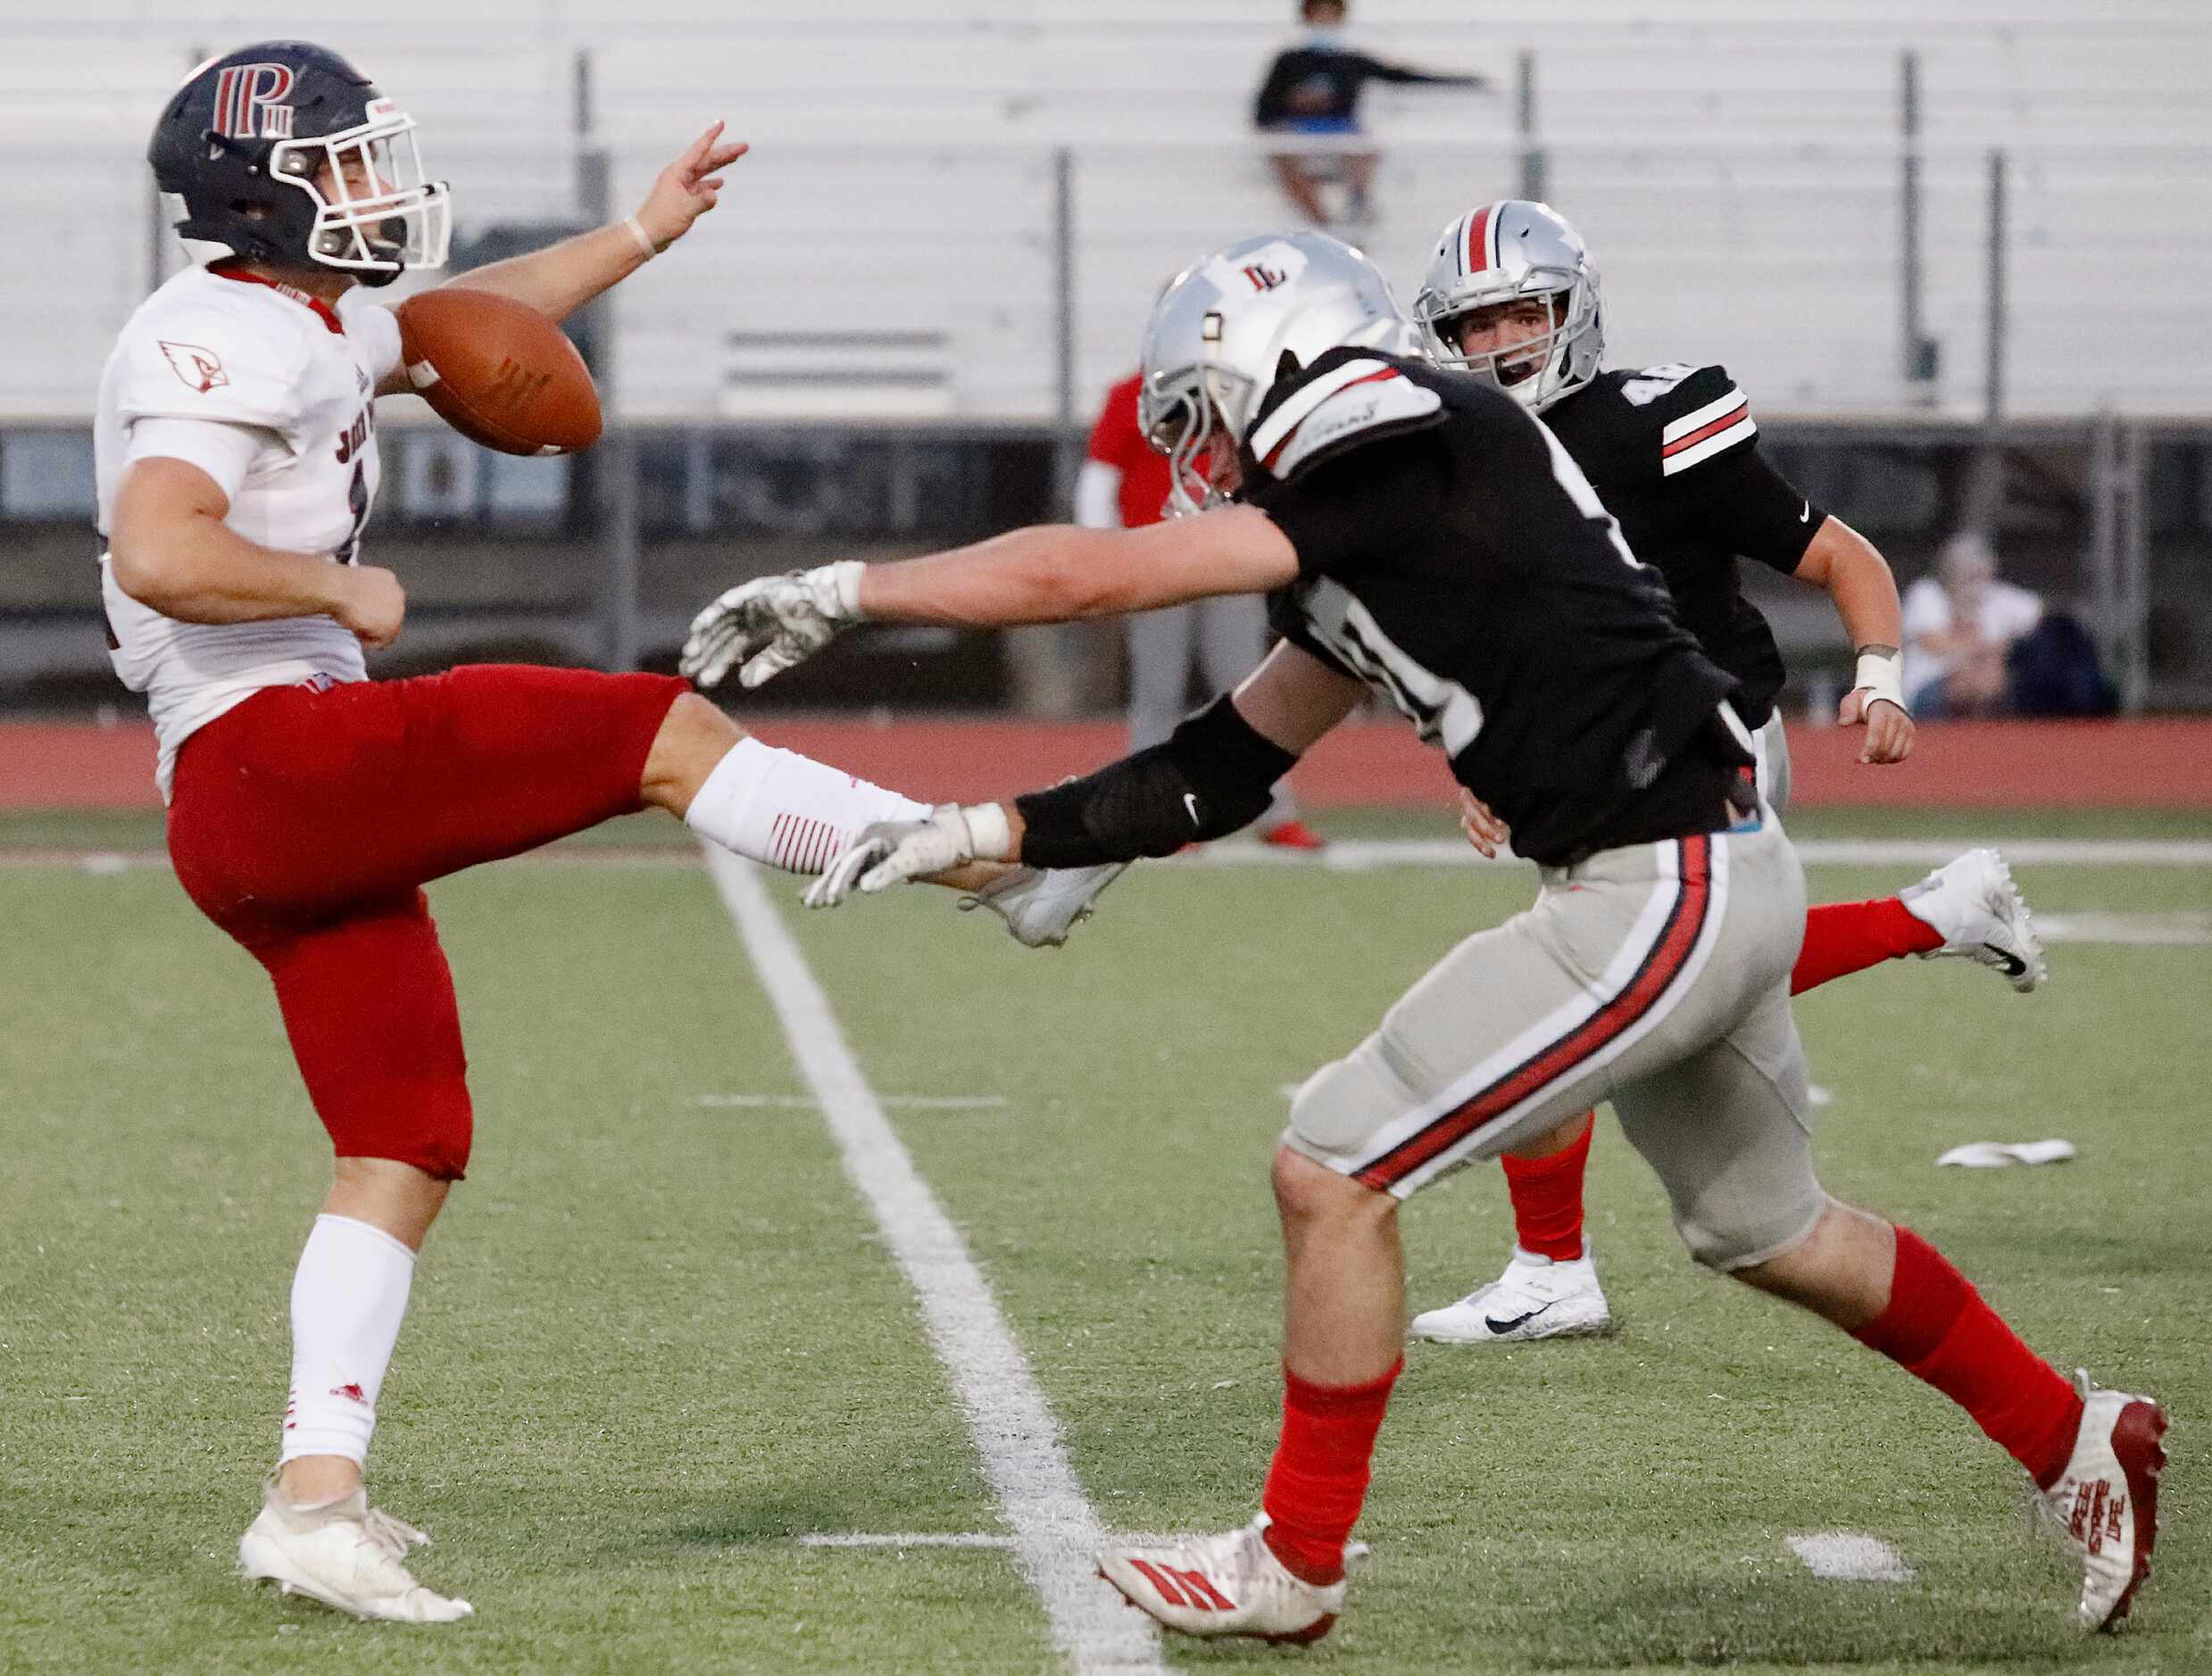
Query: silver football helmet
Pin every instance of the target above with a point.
(1226, 329)
(1507, 252)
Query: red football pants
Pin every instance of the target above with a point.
(304, 822)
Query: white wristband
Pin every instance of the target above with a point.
(644, 238)
(989, 836)
(843, 581)
(1879, 676)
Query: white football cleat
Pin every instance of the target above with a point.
(346, 1554)
(1042, 905)
(2105, 1504)
(1536, 1297)
(1972, 903)
(1230, 1584)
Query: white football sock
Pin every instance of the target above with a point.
(786, 810)
(348, 1297)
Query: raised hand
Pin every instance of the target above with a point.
(688, 189)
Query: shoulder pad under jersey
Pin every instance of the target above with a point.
(200, 360)
(1696, 412)
(1347, 399)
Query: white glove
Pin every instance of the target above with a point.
(891, 852)
(772, 624)
(1041, 906)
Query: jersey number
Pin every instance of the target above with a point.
(1654, 382)
(357, 503)
(1445, 713)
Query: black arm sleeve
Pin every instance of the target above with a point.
(1752, 510)
(1214, 775)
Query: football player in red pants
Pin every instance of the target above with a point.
(1511, 295)
(308, 804)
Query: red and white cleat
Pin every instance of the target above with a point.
(1230, 1584)
(1293, 834)
(2105, 1504)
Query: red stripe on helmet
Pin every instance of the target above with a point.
(1477, 255)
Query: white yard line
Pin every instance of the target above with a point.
(2183, 926)
(1851, 1557)
(1056, 1530)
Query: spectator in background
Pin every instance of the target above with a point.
(1960, 627)
(1313, 88)
(1124, 483)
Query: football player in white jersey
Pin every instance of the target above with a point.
(307, 804)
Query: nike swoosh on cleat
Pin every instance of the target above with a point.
(1498, 1326)
(2014, 966)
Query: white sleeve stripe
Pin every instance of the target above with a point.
(1293, 412)
(1703, 417)
(1719, 441)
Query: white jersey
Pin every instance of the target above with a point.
(298, 378)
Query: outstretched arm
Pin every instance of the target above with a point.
(562, 277)
(1058, 574)
(1383, 70)
(1050, 574)
(1858, 578)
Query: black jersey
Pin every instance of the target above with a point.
(1674, 453)
(1452, 555)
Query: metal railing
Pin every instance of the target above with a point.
(992, 287)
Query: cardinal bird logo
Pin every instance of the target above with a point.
(202, 369)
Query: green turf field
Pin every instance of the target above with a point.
(658, 1339)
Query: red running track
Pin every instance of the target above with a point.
(2162, 764)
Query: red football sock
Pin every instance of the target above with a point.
(1547, 1199)
(1939, 1329)
(1319, 1476)
(1845, 937)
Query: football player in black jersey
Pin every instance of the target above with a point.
(1512, 296)
(1428, 539)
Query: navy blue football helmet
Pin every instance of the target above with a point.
(284, 153)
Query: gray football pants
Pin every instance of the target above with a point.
(1655, 975)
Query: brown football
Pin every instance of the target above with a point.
(498, 371)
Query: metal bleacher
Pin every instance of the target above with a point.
(1735, 162)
